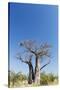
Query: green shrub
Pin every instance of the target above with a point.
(43, 79)
(47, 78)
(16, 78)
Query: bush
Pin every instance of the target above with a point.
(15, 78)
(44, 79)
(47, 78)
(51, 77)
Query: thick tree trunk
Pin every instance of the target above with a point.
(37, 71)
(33, 75)
(30, 75)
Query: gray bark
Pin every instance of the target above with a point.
(37, 71)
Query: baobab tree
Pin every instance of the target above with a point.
(38, 52)
(28, 61)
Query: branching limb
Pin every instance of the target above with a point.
(21, 59)
(44, 53)
(45, 65)
(28, 46)
(26, 60)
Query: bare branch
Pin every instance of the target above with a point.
(45, 65)
(26, 60)
(45, 46)
(21, 59)
(33, 48)
(28, 45)
(44, 53)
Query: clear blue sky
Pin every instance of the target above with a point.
(33, 22)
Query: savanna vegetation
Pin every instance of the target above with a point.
(21, 80)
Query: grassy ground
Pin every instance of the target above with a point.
(21, 80)
(25, 84)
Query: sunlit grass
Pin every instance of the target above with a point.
(21, 80)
